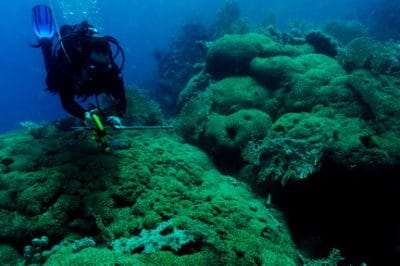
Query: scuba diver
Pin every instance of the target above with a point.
(81, 64)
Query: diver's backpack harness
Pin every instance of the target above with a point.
(77, 35)
(45, 28)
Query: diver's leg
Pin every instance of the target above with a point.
(47, 49)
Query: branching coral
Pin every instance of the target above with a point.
(149, 241)
(283, 159)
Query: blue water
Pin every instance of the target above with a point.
(140, 26)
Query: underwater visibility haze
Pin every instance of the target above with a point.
(141, 28)
(255, 133)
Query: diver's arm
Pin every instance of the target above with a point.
(71, 106)
(118, 93)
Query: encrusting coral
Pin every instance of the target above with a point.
(273, 84)
(158, 184)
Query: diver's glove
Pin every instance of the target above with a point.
(114, 121)
(88, 116)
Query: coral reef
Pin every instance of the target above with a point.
(159, 187)
(379, 58)
(333, 258)
(232, 54)
(359, 53)
(275, 81)
(82, 243)
(36, 251)
(345, 31)
(291, 118)
(322, 43)
(150, 241)
(141, 110)
(176, 64)
(283, 159)
(308, 124)
(6, 162)
(37, 130)
(226, 116)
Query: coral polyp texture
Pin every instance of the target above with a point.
(261, 90)
(285, 150)
(305, 123)
(159, 202)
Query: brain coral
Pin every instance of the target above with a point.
(227, 114)
(232, 54)
(232, 132)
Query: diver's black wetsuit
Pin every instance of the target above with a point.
(72, 76)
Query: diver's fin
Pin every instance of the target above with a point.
(42, 20)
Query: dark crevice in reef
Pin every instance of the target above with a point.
(354, 210)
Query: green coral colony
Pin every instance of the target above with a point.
(262, 117)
